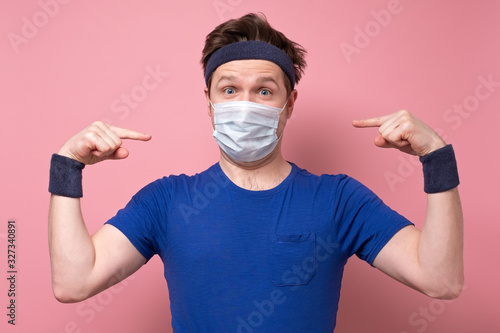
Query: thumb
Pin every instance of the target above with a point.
(119, 154)
(379, 141)
(402, 145)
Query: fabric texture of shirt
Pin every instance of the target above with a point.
(246, 261)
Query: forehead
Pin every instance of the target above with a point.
(249, 69)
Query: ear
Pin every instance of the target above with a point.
(291, 103)
(207, 97)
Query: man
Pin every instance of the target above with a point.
(255, 243)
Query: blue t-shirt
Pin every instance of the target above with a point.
(256, 261)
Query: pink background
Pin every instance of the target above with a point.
(63, 67)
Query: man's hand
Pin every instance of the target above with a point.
(403, 131)
(430, 260)
(83, 265)
(99, 142)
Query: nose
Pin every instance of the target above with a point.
(247, 96)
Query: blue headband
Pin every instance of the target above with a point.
(252, 49)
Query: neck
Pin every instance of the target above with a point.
(261, 175)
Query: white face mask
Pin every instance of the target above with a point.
(246, 131)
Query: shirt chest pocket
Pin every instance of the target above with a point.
(292, 259)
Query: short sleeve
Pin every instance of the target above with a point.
(143, 219)
(365, 222)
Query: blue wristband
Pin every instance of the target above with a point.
(440, 170)
(65, 176)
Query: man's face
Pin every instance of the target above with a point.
(258, 81)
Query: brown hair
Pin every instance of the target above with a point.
(253, 27)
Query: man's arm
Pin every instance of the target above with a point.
(83, 265)
(430, 260)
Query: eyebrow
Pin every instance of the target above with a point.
(230, 78)
(262, 79)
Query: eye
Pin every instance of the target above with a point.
(265, 92)
(229, 91)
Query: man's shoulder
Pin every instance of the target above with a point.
(338, 182)
(305, 174)
(212, 173)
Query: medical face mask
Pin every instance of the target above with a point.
(246, 131)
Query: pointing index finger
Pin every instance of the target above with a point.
(124, 133)
(369, 122)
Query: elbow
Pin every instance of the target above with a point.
(65, 298)
(447, 290)
(448, 294)
(67, 295)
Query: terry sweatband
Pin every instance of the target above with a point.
(440, 170)
(251, 49)
(65, 176)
